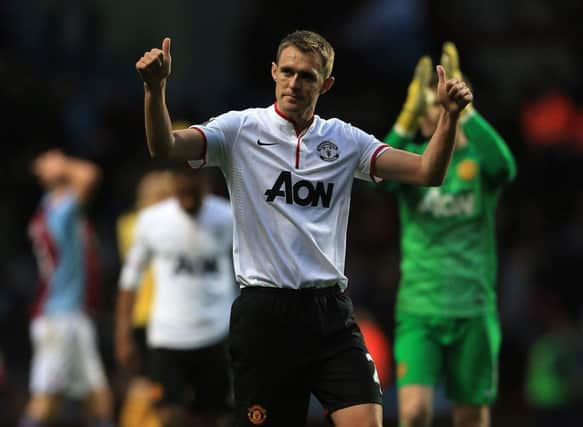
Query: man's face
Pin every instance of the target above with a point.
(49, 168)
(428, 121)
(299, 81)
(189, 193)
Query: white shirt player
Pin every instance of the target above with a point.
(290, 193)
(193, 273)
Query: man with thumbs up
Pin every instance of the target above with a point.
(446, 321)
(289, 173)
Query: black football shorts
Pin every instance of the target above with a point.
(287, 344)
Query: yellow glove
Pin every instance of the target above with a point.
(451, 62)
(415, 103)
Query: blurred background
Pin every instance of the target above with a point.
(68, 80)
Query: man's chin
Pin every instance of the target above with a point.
(289, 106)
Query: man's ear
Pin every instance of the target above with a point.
(327, 85)
(274, 71)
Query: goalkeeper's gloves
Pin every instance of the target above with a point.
(451, 62)
(415, 104)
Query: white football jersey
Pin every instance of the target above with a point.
(193, 274)
(290, 193)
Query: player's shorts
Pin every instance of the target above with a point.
(286, 344)
(139, 336)
(199, 380)
(65, 355)
(463, 351)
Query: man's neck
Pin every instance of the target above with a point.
(58, 192)
(301, 121)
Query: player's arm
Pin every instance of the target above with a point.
(430, 167)
(125, 300)
(124, 343)
(188, 144)
(83, 176)
(131, 274)
(396, 139)
(496, 158)
(80, 175)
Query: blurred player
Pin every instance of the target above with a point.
(66, 361)
(446, 317)
(289, 174)
(137, 410)
(188, 240)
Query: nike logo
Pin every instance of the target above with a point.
(266, 143)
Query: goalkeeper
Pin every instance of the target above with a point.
(447, 326)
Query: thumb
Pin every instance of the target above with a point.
(166, 46)
(441, 74)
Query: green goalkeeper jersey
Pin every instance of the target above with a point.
(448, 243)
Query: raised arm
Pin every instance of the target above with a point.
(430, 167)
(497, 160)
(83, 176)
(154, 67)
(80, 176)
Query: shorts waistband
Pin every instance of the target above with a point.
(328, 290)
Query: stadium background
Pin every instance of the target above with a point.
(68, 80)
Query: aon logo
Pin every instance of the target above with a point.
(188, 266)
(303, 193)
(447, 205)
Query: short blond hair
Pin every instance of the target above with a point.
(309, 41)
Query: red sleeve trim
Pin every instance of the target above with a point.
(204, 146)
(373, 160)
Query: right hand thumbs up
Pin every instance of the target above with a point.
(154, 65)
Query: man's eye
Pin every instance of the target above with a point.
(309, 77)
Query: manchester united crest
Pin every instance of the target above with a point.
(328, 151)
(401, 370)
(467, 169)
(257, 414)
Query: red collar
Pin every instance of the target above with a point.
(289, 119)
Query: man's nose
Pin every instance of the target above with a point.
(294, 81)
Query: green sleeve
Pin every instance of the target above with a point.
(396, 140)
(496, 159)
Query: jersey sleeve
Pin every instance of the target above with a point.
(370, 148)
(496, 160)
(138, 257)
(219, 134)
